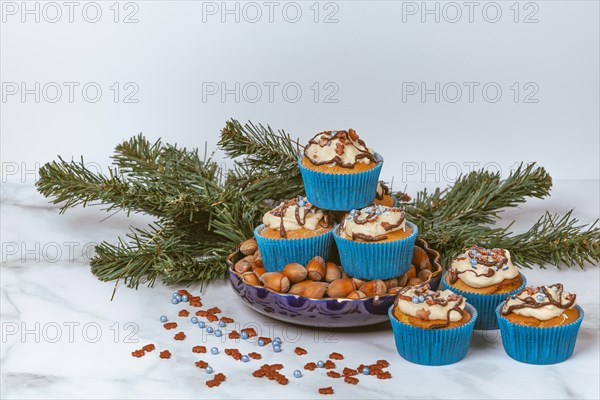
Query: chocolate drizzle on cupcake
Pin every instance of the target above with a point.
(382, 190)
(543, 302)
(481, 267)
(341, 148)
(372, 223)
(305, 215)
(425, 304)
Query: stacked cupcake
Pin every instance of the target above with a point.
(341, 177)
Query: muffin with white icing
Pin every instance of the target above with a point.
(375, 242)
(539, 325)
(485, 277)
(541, 306)
(431, 327)
(339, 171)
(294, 232)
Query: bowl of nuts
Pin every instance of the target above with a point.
(320, 293)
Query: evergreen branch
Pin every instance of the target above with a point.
(553, 239)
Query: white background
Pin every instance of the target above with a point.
(373, 51)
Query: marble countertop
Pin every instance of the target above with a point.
(63, 337)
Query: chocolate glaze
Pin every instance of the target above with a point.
(346, 138)
(371, 217)
(385, 191)
(281, 209)
(530, 302)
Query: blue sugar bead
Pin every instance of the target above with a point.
(218, 333)
(214, 350)
(201, 324)
(163, 318)
(245, 358)
(209, 370)
(184, 298)
(366, 371)
(297, 374)
(222, 324)
(421, 299)
(277, 348)
(261, 342)
(320, 364)
(415, 300)
(194, 320)
(210, 329)
(174, 301)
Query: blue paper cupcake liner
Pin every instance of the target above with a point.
(433, 346)
(376, 260)
(276, 253)
(341, 192)
(484, 303)
(534, 345)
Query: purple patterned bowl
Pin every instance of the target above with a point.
(325, 313)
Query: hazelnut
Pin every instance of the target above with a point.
(298, 288)
(356, 295)
(414, 282)
(412, 272)
(316, 268)
(424, 275)
(243, 266)
(374, 288)
(315, 290)
(390, 283)
(402, 280)
(275, 281)
(259, 271)
(251, 279)
(332, 272)
(249, 247)
(340, 288)
(295, 272)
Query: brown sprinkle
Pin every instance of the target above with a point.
(329, 364)
(180, 336)
(351, 380)
(384, 375)
(227, 320)
(254, 355)
(267, 340)
(201, 364)
(234, 335)
(165, 354)
(184, 313)
(214, 310)
(336, 356)
(199, 349)
(311, 366)
(333, 374)
(138, 353)
(250, 331)
(170, 325)
(149, 347)
(300, 351)
(349, 372)
(326, 390)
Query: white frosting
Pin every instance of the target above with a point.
(313, 217)
(436, 311)
(325, 149)
(381, 191)
(469, 272)
(374, 228)
(542, 313)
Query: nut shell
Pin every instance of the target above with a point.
(316, 268)
(249, 247)
(374, 288)
(244, 265)
(414, 282)
(356, 295)
(295, 272)
(390, 283)
(315, 290)
(275, 281)
(259, 271)
(424, 275)
(298, 288)
(403, 280)
(332, 272)
(340, 288)
(251, 279)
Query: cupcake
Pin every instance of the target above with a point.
(539, 325)
(375, 242)
(485, 277)
(339, 171)
(384, 197)
(431, 328)
(294, 231)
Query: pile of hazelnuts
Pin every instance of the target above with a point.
(321, 279)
